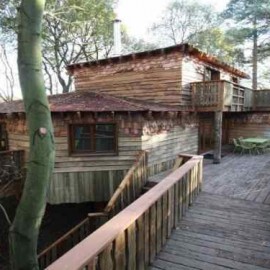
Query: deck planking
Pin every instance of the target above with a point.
(219, 233)
(239, 176)
(228, 226)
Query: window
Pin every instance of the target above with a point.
(93, 139)
(211, 74)
(3, 138)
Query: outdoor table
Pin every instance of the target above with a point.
(255, 140)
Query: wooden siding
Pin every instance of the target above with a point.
(163, 148)
(248, 125)
(249, 130)
(155, 79)
(94, 178)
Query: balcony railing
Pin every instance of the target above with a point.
(221, 95)
(262, 99)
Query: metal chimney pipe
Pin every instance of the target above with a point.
(117, 37)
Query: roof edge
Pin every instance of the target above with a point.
(185, 48)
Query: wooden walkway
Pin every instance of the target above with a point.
(228, 226)
(239, 176)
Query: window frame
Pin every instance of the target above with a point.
(71, 140)
(3, 137)
(209, 73)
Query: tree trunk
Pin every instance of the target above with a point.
(255, 56)
(25, 228)
(218, 137)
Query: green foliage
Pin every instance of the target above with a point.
(131, 44)
(250, 24)
(217, 42)
(182, 20)
(199, 25)
(74, 30)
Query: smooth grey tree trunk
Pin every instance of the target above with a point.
(25, 227)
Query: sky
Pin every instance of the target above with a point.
(139, 15)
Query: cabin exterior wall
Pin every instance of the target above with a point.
(155, 78)
(193, 70)
(255, 124)
(163, 147)
(94, 178)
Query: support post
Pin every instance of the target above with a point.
(218, 137)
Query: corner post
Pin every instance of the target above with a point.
(218, 137)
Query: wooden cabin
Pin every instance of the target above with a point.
(165, 76)
(165, 101)
(98, 138)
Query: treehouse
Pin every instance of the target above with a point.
(164, 101)
(128, 120)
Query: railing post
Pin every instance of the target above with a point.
(221, 95)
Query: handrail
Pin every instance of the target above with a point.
(64, 243)
(135, 178)
(140, 164)
(132, 238)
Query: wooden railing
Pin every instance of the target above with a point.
(131, 239)
(128, 191)
(207, 94)
(11, 172)
(65, 243)
(262, 99)
(131, 186)
(221, 95)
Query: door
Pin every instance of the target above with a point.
(206, 132)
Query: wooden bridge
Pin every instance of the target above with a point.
(227, 226)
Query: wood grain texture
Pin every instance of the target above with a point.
(218, 233)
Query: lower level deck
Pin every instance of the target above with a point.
(228, 226)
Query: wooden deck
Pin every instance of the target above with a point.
(228, 226)
(239, 176)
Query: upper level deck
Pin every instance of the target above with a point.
(222, 95)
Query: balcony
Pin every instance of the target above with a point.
(221, 96)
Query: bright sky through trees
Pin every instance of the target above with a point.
(139, 15)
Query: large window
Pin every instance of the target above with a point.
(93, 139)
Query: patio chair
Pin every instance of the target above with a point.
(237, 146)
(261, 148)
(247, 147)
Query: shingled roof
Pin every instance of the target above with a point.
(85, 101)
(184, 48)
